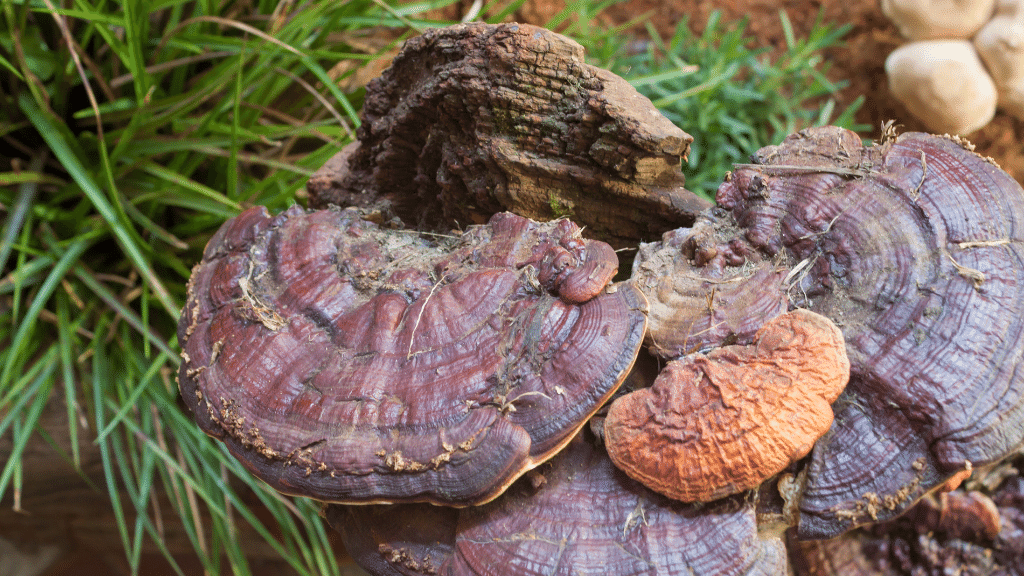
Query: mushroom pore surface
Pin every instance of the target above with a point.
(349, 363)
(718, 424)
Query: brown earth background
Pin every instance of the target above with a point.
(860, 61)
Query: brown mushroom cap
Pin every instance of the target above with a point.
(576, 515)
(962, 532)
(475, 118)
(718, 424)
(705, 288)
(914, 248)
(348, 363)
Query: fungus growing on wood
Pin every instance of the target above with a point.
(943, 83)
(475, 119)
(935, 19)
(349, 363)
(913, 248)
(577, 514)
(717, 424)
(355, 364)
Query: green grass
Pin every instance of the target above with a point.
(191, 111)
(734, 97)
(135, 129)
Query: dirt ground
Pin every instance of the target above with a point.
(860, 62)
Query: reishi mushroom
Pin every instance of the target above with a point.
(913, 247)
(349, 363)
(354, 363)
(721, 423)
(943, 83)
(577, 514)
(962, 532)
(702, 296)
(475, 119)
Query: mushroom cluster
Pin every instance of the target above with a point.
(840, 338)
(722, 423)
(913, 248)
(964, 58)
(577, 514)
(972, 531)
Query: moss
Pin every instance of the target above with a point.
(559, 207)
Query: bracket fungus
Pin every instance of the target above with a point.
(357, 364)
(475, 119)
(349, 363)
(721, 423)
(913, 247)
(969, 533)
(578, 514)
(706, 287)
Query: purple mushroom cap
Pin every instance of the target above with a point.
(349, 363)
(913, 247)
(577, 514)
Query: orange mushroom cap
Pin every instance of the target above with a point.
(718, 424)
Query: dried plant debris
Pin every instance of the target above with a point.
(475, 119)
(577, 514)
(349, 363)
(718, 424)
(912, 247)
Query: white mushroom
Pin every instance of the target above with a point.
(933, 19)
(1001, 45)
(943, 83)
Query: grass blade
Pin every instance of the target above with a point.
(81, 176)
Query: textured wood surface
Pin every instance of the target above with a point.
(475, 119)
